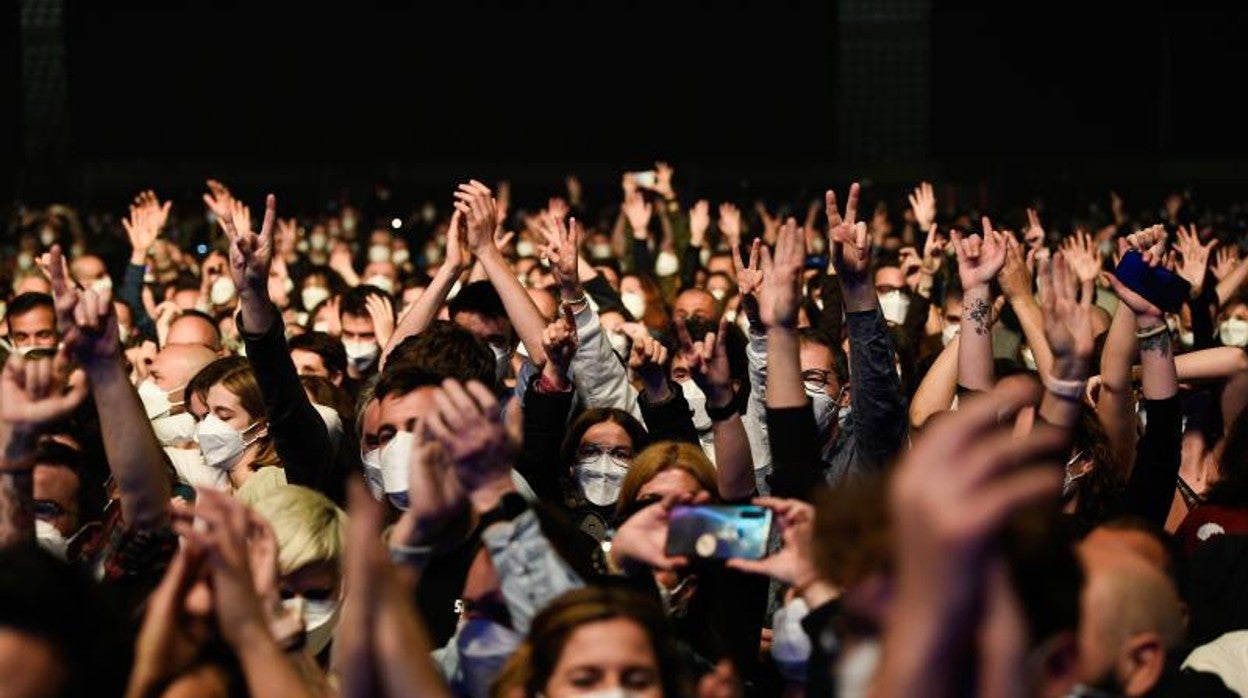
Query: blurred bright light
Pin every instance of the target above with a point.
(396, 224)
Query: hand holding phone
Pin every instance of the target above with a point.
(1158, 285)
(719, 532)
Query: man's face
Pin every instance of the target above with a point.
(721, 264)
(889, 279)
(56, 497)
(309, 363)
(493, 331)
(358, 328)
(88, 269)
(696, 304)
(33, 328)
(951, 313)
(818, 368)
(401, 413)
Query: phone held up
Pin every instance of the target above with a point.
(719, 532)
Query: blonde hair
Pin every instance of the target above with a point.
(308, 526)
(666, 455)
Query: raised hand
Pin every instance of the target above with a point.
(792, 563)
(749, 276)
(979, 258)
(933, 252)
(642, 539)
(1225, 261)
(65, 292)
(436, 498)
(562, 250)
(94, 337)
(730, 222)
(458, 253)
(1067, 301)
(638, 211)
(1015, 276)
(560, 340)
(1150, 243)
(251, 254)
(663, 174)
(923, 203)
(476, 203)
(218, 200)
(1195, 258)
(1083, 256)
(647, 358)
(38, 392)
(143, 225)
(771, 224)
(469, 424)
(708, 361)
(699, 222)
(381, 311)
(847, 237)
(1034, 235)
(782, 277)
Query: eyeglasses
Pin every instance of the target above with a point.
(623, 453)
(816, 378)
(47, 510)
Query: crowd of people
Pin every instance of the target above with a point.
(339, 454)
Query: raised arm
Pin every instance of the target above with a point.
(979, 260)
(938, 387)
(475, 203)
(1016, 285)
(143, 225)
(1068, 330)
(425, 310)
(708, 364)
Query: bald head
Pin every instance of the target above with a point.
(87, 269)
(176, 364)
(697, 302)
(194, 328)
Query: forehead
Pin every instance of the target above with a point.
(356, 323)
(479, 325)
(381, 268)
(891, 276)
(670, 481)
(220, 396)
(607, 643)
(607, 434)
(814, 355)
(398, 410)
(39, 316)
(694, 299)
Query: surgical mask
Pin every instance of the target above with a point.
(484, 647)
(824, 407)
(333, 423)
(667, 264)
(718, 293)
(156, 401)
(949, 332)
(599, 477)
(318, 240)
(525, 248)
(221, 443)
(790, 645)
(288, 285)
(634, 303)
(320, 620)
(25, 260)
(601, 250)
(620, 344)
(1234, 332)
(371, 460)
(47, 236)
(102, 284)
(320, 327)
(379, 253)
(401, 256)
(697, 405)
(51, 539)
(313, 296)
(894, 305)
(382, 282)
(123, 332)
(361, 355)
(223, 291)
(704, 255)
(393, 459)
(1029, 358)
(433, 254)
(1187, 338)
(174, 430)
(502, 360)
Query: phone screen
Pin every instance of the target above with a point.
(719, 532)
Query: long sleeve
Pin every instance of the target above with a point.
(545, 423)
(1202, 319)
(601, 378)
(643, 258)
(690, 261)
(755, 417)
(530, 572)
(671, 420)
(831, 317)
(1150, 489)
(298, 432)
(604, 295)
(877, 408)
(796, 466)
(132, 294)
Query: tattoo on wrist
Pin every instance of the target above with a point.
(980, 315)
(1159, 343)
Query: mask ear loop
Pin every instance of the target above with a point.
(249, 428)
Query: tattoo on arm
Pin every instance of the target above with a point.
(17, 507)
(980, 314)
(1159, 342)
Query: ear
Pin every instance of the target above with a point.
(1141, 663)
(1058, 664)
(843, 400)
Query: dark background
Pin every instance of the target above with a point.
(743, 97)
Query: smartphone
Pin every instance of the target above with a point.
(719, 532)
(1159, 286)
(646, 180)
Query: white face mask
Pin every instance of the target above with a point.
(525, 248)
(824, 407)
(599, 477)
(25, 260)
(1187, 338)
(361, 355)
(379, 253)
(371, 460)
(333, 423)
(175, 430)
(318, 241)
(433, 254)
(634, 303)
(600, 250)
(790, 645)
(620, 344)
(1029, 358)
(320, 327)
(400, 256)
(697, 405)
(502, 360)
(51, 539)
(320, 620)
(949, 332)
(894, 305)
(666, 264)
(102, 284)
(382, 282)
(47, 236)
(1234, 332)
(156, 402)
(718, 293)
(313, 296)
(223, 291)
(393, 459)
(221, 443)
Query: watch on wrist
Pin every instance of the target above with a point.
(719, 414)
(508, 508)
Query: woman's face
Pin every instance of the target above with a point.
(606, 437)
(606, 655)
(665, 482)
(228, 409)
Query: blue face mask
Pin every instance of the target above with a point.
(484, 647)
